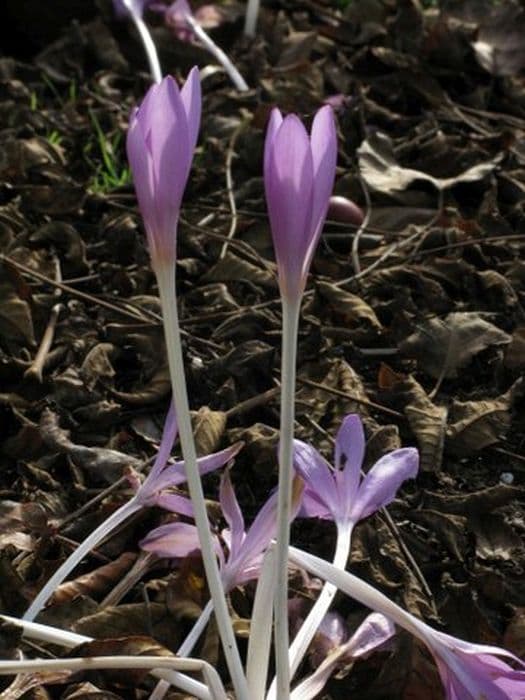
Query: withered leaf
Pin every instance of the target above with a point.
(349, 308)
(233, 268)
(136, 645)
(499, 45)
(208, 429)
(474, 425)
(379, 168)
(442, 346)
(132, 620)
(495, 539)
(95, 582)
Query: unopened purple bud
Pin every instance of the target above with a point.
(345, 211)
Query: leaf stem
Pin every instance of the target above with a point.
(91, 541)
(290, 310)
(165, 272)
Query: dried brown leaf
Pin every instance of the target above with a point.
(208, 429)
(442, 346)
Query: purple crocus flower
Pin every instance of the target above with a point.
(371, 635)
(473, 671)
(299, 175)
(339, 494)
(246, 549)
(160, 143)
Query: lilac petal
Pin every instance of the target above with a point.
(169, 434)
(331, 633)
(289, 185)
(175, 474)
(276, 119)
(320, 486)
(172, 502)
(380, 485)
(191, 99)
(170, 154)
(232, 513)
(349, 454)
(324, 154)
(142, 169)
(175, 540)
(373, 633)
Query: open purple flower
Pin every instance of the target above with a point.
(339, 494)
(473, 671)
(299, 175)
(246, 549)
(160, 143)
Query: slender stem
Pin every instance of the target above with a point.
(148, 43)
(54, 635)
(310, 626)
(250, 21)
(291, 310)
(166, 280)
(218, 53)
(186, 647)
(91, 541)
(359, 590)
(261, 628)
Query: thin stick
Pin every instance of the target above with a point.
(229, 189)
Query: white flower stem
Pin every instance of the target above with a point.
(69, 640)
(91, 541)
(321, 606)
(250, 22)
(166, 280)
(149, 45)
(218, 53)
(359, 590)
(291, 310)
(186, 647)
(261, 628)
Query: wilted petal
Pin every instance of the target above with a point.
(172, 502)
(370, 636)
(173, 541)
(331, 633)
(320, 497)
(169, 434)
(175, 474)
(232, 513)
(380, 485)
(349, 454)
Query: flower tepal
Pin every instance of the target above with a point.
(160, 143)
(299, 174)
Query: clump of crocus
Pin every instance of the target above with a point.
(299, 172)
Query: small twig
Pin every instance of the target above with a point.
(346, 395)
(253, 402)
(229, 188)
(362, 228)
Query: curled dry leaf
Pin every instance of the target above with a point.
(348, 308)
(208, 429)
(381, 171)
(232, 268)
(104, 463)
(96, 582)
(136, 645)
(442, 346)
(499, 46)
